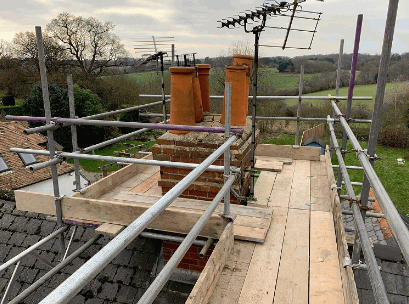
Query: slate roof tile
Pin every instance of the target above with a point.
(118, 283)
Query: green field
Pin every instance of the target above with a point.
(393, 176)
(281, 81)
(359, 90)
(267, 76)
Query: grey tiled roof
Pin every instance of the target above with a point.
(395, 275)
(372, 225)
(124, 280)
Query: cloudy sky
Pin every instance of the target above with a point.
(193, 23)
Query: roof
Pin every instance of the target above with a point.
(395, 275)
(12, 136)
(124, 280)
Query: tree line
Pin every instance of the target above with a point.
(85, 47)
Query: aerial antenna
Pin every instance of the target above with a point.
(155, 50)
(258, 17)
(148, 47)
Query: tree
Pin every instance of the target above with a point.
(15, 79)
(90, 42)
(395, 114)
(86, 103)
(25, 49)
(5, 50)
(284, 65)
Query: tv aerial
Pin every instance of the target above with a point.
(155, 50)
(254, 21)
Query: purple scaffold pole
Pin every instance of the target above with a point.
(106, 123)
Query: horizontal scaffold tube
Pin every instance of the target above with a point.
(71, 286)
(368, 214)
(311, 119)
(38, 166)
(54, 271)
(53, 126)
(399, 229)
(373, 271)
(170, 238)
(127, 160)
(114, 140)
(351, 120)
(348, 167)
(358, 184)
(371, 199)
(105, 123)
(125, 110)
(282, 97)
(32, 248)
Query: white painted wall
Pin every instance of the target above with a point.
(65, 183)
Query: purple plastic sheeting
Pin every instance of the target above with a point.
(125, 124)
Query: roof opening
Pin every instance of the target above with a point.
(3, 165)
(27, 158)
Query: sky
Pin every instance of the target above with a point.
(194, 24)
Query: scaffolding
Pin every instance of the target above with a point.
(70, 287)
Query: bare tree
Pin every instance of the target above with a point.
(5, 50)
(25, 49)
(89, 41)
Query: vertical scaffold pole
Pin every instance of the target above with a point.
(338, 81)
(74, 138)
(339, 71)
(253, 116)
(162, 78)
(300, 89)
(379, 98)
(227, 125)
(350, 91)
(50, 135)
(173, 54)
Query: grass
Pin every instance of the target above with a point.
(281, 81)
(393, 176)
(359, 90)
(93, 165)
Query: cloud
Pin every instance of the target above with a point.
(158, 14)
(9, 29)
(193, 23)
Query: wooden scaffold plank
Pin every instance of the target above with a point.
(325, 276)
(232, 278)
(207, 281)
(300, 190)
(121, 213)
(301, 152)
(280, 195)
(262, 273)
(264, 186)
(292, 281)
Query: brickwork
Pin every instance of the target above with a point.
(195, 148)
(191, 260)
